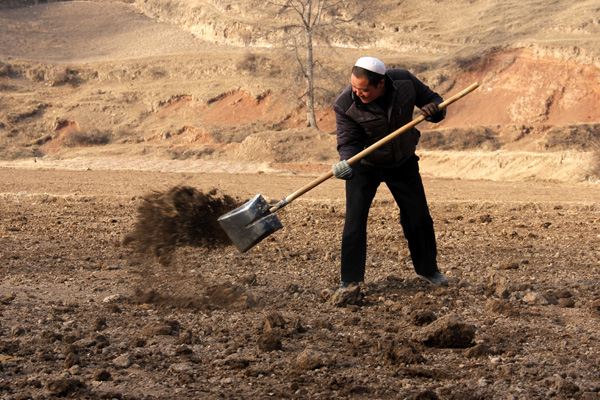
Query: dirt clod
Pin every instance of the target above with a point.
(535, 298)
(102, 375)
(181, 216)
(564, 386)
(510, 265)
(99, 324)
(122, 361)
(7, 298)
(423, 317)
(273, 320)
(63, 386)
(500, 306)
(485, 218)
(71, 359)
(166, 328)
(17, 330)
(402, 352)
(310, 359)
(564, 294)
(270, 341)
(346, 296)
(596, 306)
(447, 332)
(236, 362)
(566, 302)
(479, 350)
(227, 295)
(425, 395)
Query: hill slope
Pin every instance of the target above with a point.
(205, 80)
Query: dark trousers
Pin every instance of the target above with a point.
(406, 186)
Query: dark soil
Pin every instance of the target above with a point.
(80, 319)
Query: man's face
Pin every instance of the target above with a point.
(366, 92)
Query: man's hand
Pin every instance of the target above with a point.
(342, 170)
(429, 110)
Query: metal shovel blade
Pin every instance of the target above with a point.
(250, 223)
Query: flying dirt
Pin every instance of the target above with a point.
(181, 216)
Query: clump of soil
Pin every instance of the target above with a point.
(270, 341)
(346, 296)
(230, 296)
(423, 317)
(63, 386)
(447, 332)
(310, 359)
(102, 375)
(401, 352)
(162, 328)
(181, 216)
(425, 395)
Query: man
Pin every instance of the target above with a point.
(376, 103)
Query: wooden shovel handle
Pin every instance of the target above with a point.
(372, 148)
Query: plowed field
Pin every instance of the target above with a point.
(82, 316)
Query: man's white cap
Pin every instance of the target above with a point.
(372, 64)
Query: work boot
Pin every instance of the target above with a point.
(436, 278)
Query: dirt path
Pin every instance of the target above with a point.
(137, 183)
(81, 31)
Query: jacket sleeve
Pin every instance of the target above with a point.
(424, 95)
(349, 134)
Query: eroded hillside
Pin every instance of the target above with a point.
(207, 80)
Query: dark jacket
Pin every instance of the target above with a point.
(360, 125)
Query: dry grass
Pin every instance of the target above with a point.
(595, 167)
(582, 137)
(92, 137)
(10, 151)
(7, 70)
(183, 153)
(257, 65)
(25, 3)
(481, 138)
(64, 76)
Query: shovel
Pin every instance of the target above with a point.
(254, 220)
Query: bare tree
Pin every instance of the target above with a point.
(315, 21)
